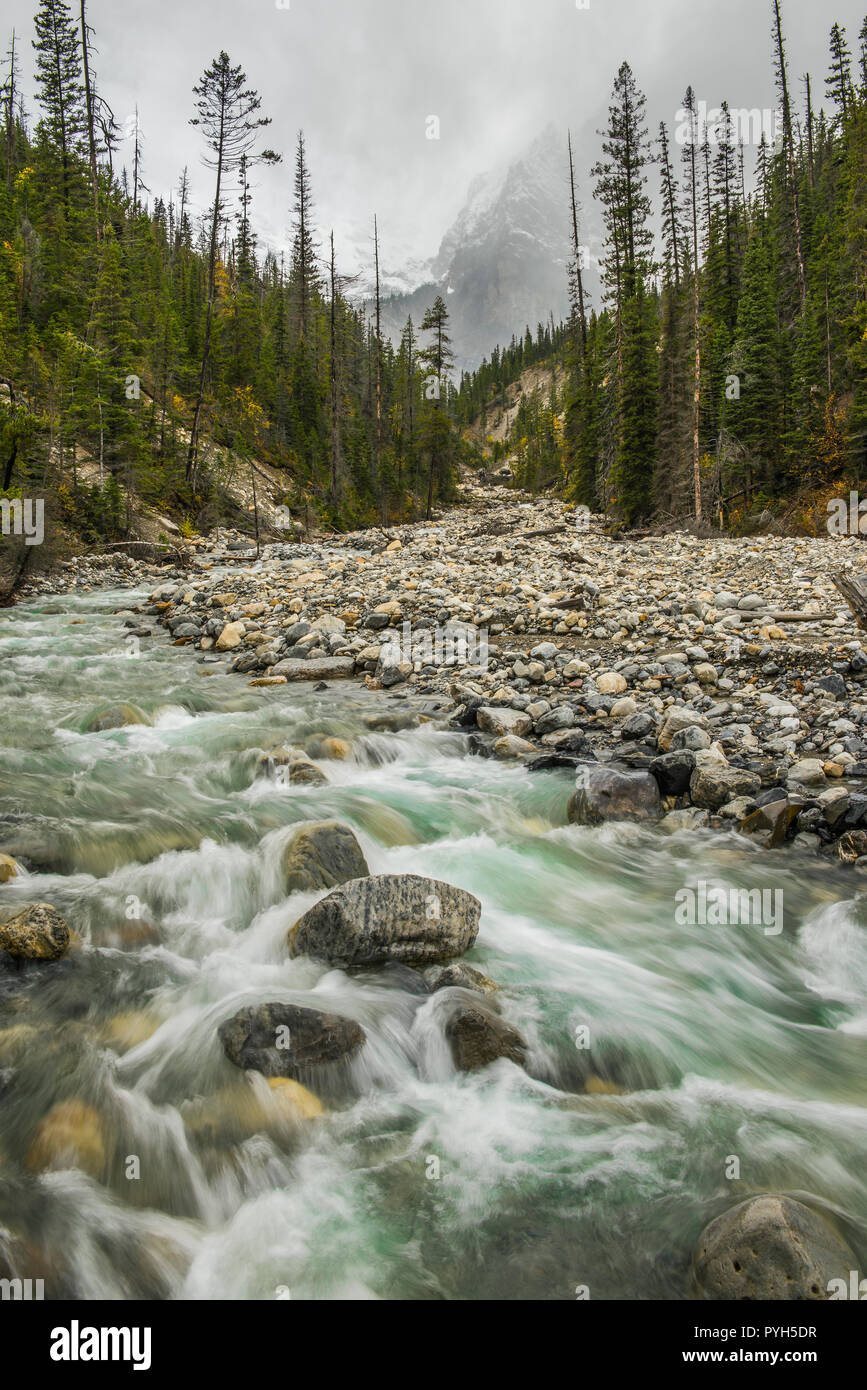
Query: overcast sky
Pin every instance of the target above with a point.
(363, 76)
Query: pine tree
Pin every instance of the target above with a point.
(692, 204)
(304, 277)
(838, 83)
(60, 90)
(438, 358)
(226, 111)
(755, 416)
(670, 211)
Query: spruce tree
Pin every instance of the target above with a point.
(227, 112)
(59, 86)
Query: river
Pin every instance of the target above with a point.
(161, 844)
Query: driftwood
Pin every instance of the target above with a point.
(792, 617)
(548, 531)
(853, 587)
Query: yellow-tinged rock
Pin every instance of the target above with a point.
(71, 1135)
(595, 1086)
(338, 748)
(16, 1041)
(253, 1105)
(832, 769)
(301, 581)
(230, 637)
(127, 1030)
(37, 932)
(8, 868)
(395, 545)
(292, 1097)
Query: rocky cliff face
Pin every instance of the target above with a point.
(501, 266)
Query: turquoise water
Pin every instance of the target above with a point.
(161, 843)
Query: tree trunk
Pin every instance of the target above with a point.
(212, 258)
(790, 149)
(384, 506)
(91, 138)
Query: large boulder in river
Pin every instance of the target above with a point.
(37, 933)
(115, 717)
(388, 917)
(322, 856)
(770, 1247)
(287, 1040)
(610, 793)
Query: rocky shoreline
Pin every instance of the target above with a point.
(694, 682)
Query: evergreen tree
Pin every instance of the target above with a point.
(227, 112)
(60, 89)
(838, 83)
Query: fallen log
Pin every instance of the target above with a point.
(853, 587)
(799, 617)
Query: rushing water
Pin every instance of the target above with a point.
(161, 846)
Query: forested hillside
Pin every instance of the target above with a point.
(726, 371)
(140, 345)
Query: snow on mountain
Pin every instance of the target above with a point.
(502, 263)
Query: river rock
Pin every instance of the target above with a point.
(770, 1248)
(477, 1037)
(230, 637)
(852, 846)
(304, 772)
(71, 1135)
(677, 717)
(807, 772)
(610, 793)
(287, 1040)
(713, 786)
(509, 747)
(458, 975)
(315, 668)
(673, 770)
(388, 917)
(611, 683)
(253, 1105)
(36, 933)
(115, 717)
(561, 717)
(503, 721)
(322, 856)
(692, 738)
(8, 868)
(636, 726)
(326, 746)
(772, 821)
